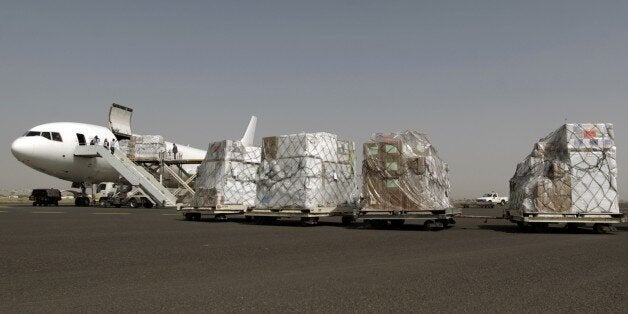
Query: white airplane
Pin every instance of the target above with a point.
(50, 147)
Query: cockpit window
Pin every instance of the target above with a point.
(56, 137)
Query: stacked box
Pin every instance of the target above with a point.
(227, 175)
(124, 146)
(573, 170)
(146, 146)
(306, 170)
(402, 172)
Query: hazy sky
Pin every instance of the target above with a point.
(484, 79)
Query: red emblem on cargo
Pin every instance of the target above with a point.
(590, 134)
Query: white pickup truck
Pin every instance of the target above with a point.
(490, 200)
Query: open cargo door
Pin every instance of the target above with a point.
(120, 121)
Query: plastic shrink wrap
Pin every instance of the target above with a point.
(402, 172)
(146, 146)
(227, 175)
(306, 170)
(572, 170)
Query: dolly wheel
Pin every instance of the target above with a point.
(309, 221)
(429, 225)
(572, 227)
(347, 220)
(522, 226)
(601, 228)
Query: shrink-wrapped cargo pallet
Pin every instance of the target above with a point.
(402, 172)
(146, 146)
(306, 170)
(573, 170)
(227, 175)
(124, 146)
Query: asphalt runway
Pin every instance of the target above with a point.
(67, 259)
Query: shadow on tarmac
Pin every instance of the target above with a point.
(548, 230)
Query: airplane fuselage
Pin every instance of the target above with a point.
(49, 148)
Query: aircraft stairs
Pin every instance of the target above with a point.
(135, 174)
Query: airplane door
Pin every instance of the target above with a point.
(120, 121)
(81, 139)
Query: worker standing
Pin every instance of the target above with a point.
(113, 142)
(175, 150)
(105, 143)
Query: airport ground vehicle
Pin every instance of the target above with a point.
(45, 197)
(601, 223)
(491, 199)
(308, 217)
(110, 194)
(431, 220)
(220, 212)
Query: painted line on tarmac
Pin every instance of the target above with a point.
(111, 213)
(4, 211)
(47, 212)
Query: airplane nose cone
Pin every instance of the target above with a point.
(21, 148)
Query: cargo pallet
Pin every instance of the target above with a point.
(431, 220)
(601, 223)
(308, 217)
(219, 212)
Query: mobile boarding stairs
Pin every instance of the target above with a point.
(135, 174)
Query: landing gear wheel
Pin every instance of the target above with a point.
(81, 201)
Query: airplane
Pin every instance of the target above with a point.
(50, 147)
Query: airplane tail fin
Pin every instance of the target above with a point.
(249, 135)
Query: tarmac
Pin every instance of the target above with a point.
(69, 259)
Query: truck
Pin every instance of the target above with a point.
(489, 200)
(111, 194)
(45, 197)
